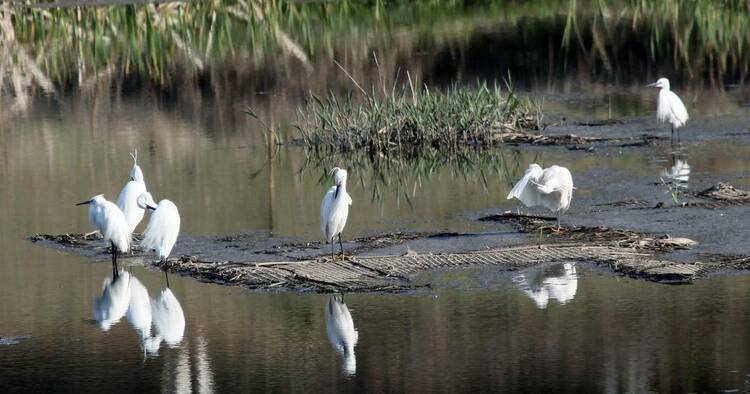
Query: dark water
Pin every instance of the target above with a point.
(548, 329)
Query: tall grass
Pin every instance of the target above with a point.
(409, 120)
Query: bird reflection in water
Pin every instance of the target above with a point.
(126, 295)
(558, 282)
(341, 332)
(679, 174)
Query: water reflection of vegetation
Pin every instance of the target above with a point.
(404, 176)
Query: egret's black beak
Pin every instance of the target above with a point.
(336, 195)
(150, 207)
(84, 203)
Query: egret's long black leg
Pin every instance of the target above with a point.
(164, 267)
(333, 249)
(342, 247)
(114, 260)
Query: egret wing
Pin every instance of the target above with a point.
(113, 226)
(163, 229)
(325, 209)
(525, 190)
(677, 108)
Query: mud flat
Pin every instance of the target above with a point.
(630, 253)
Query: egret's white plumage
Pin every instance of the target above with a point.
(542, 285)
(135, 173)
(334, 209)
(110, 221)
(523, 190)
(551, 188)
(168, 317)
(112, 305)
(669, 108)
(163, 227)
(139, 308)
(341, 332)
(128, 204)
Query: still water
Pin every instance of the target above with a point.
(559, 328)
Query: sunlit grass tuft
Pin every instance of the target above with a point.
(410, 120)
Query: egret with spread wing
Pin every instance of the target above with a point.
(551, 188)
(334, 210)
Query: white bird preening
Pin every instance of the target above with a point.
(341, 332)
(669, 108)
(163, 226)
(111, 223)
(551, 188)
(334, 210)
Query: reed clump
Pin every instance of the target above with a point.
(411, 120)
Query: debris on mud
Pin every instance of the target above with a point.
(570, 139)
(591, 235)
(624, 251)
(721, 195)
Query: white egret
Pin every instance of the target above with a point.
(163, 227)
(670, 108)
(110, 221)
(128, 204)
(551, 188)
(335, 209)
(558, 283)
(135, 173)
(112, 305)
(341, 332)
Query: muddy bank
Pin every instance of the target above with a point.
(631, 253)
(720, 195)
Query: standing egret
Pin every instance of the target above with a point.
(128, 204)
(670, 108)
(163, 227)
(341, 332)
(551, 188)
(335, 209)
(109, 219)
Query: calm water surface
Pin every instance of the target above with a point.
(559, 328)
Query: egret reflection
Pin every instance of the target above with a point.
(162, 316)
(341, 332)
(112, 305)
(558, 282)
(679, 173)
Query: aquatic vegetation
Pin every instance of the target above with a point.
(410, 120)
